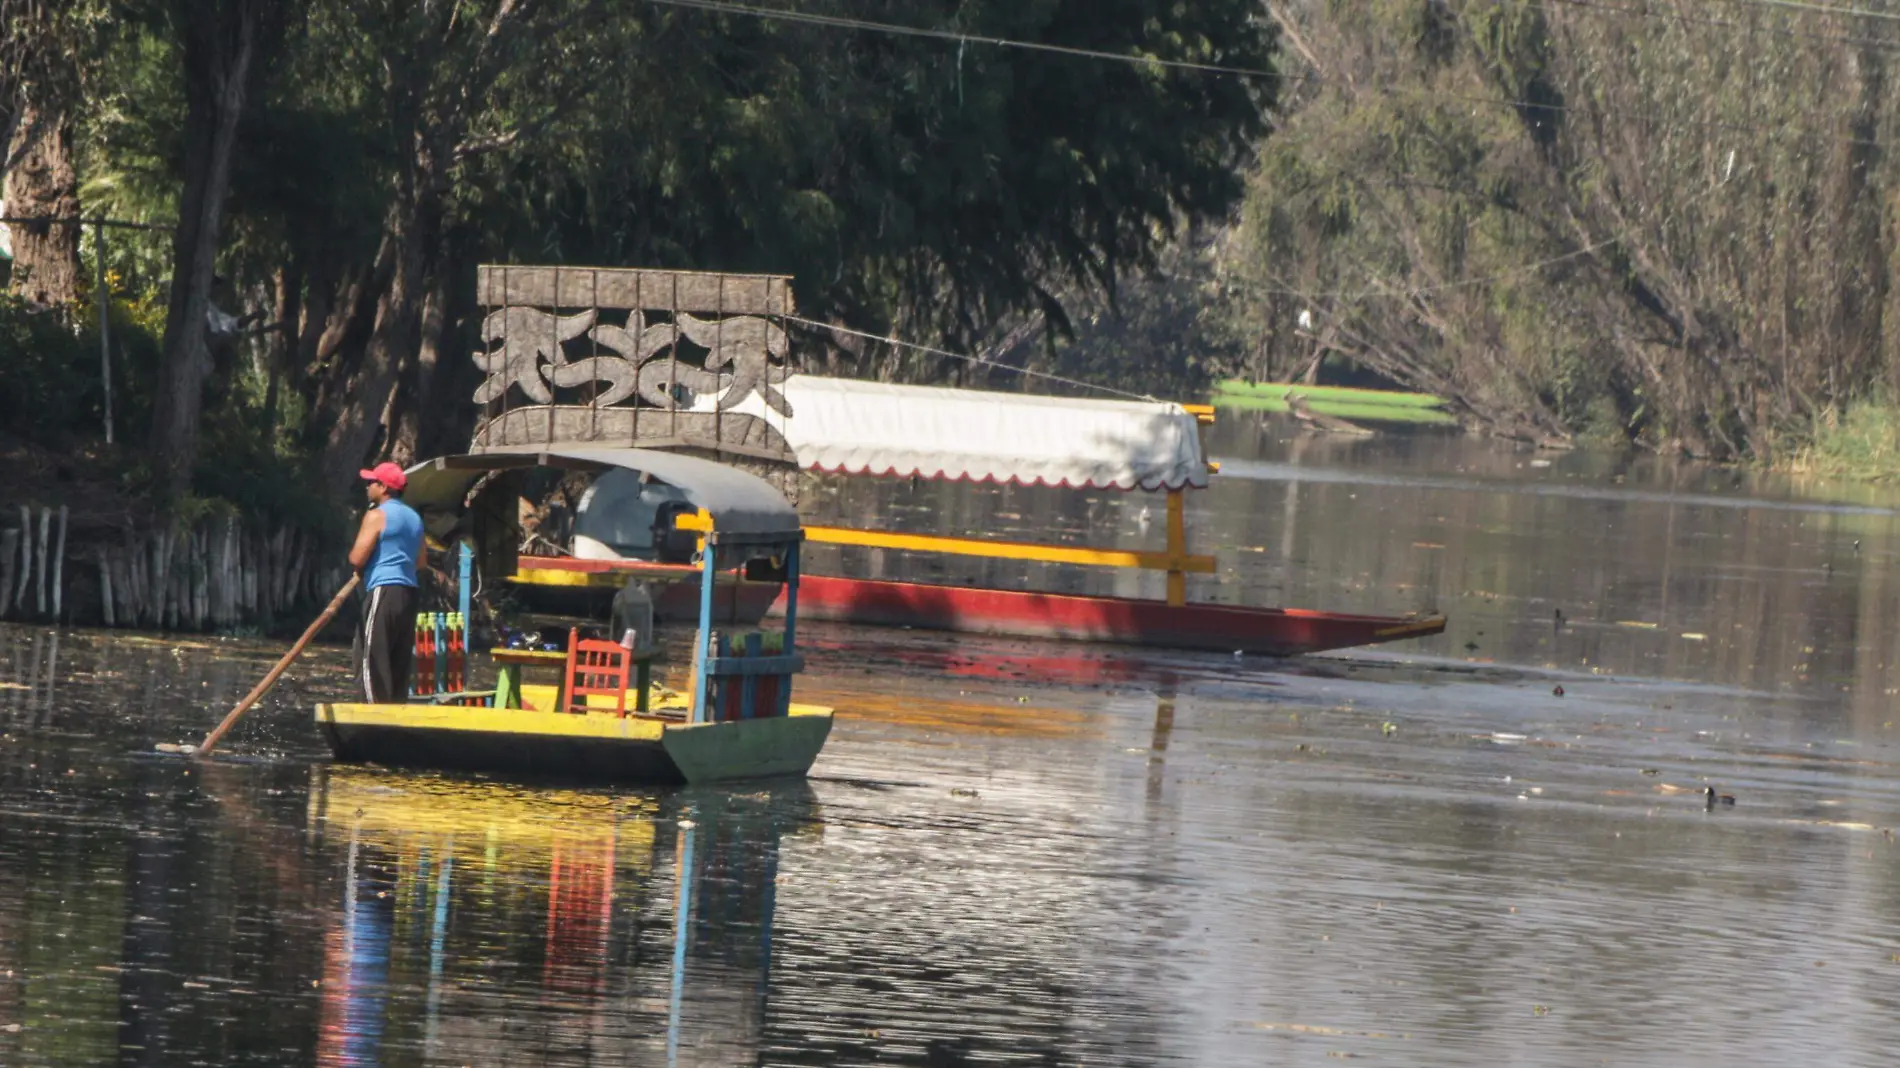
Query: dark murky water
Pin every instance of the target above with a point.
(1039, 854)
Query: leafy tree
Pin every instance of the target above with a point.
(912, 184)
(1665, 226)
(346, 163)
(43, 49)
(218, 42)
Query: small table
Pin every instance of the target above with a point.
(511, 661)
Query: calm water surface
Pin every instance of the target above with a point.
(1021, 853)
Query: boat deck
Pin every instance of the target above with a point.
(595, 745)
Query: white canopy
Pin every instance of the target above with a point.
(851, 427)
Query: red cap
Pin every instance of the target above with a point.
(388, 474)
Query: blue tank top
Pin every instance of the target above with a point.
(396, 551)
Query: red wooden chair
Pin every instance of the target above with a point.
(595, 666)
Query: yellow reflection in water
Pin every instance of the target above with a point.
(493, 823)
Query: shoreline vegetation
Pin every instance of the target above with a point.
(1565, 228)
(1861, 443)
(1671, 233)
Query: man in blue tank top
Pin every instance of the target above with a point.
(387, 552)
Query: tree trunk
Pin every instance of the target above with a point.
(45, 255)
(447, 411)
(428, 121)
(366, 392)
(219, 40)
(319, 296)
(287, 306)
(433, 395)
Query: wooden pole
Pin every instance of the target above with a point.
(9, 557)
(59, 563)
(161, 575)
(26, 557)
(105, 588)
(39, 566)
(270, 679)
(105, 323)
(135, 558)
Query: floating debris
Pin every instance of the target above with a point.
(1316, 1029)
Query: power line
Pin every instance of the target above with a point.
(1711, 124)
(841, 22)
(78, 220)
(1779, 31)
(1483, 280)
(1347, 296)
(1823, 9)
(967, 358)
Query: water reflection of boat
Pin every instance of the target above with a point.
(459, 894)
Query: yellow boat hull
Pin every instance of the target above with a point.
(595, 746)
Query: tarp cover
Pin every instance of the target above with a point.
(740, 503)
(853, 427)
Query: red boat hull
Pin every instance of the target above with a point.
(1223, 628)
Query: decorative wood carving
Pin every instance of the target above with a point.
(685, 336)
(634, 289)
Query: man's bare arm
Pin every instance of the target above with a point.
(365, 547)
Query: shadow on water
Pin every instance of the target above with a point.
(1014, 852)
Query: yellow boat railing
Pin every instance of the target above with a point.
(1175, 559)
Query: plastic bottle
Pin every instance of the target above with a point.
(425, 654)
(457, 654)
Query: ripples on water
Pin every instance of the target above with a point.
(1038, 854)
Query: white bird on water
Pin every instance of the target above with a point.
(1142, 518)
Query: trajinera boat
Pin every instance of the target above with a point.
(604, 719)
(585, 357)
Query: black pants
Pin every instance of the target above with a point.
(386, 644)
